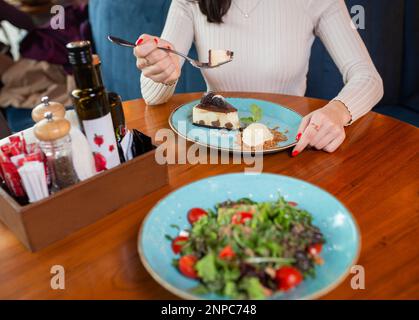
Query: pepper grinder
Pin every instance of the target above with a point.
(57, 109)
(55, 141)
(83, 160)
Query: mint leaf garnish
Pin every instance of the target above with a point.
(257, 114)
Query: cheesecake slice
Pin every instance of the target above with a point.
(215, 112)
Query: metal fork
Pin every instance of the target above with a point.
(195, 63)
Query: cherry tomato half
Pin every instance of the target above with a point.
(178, 243)
(195, 214)
(241, 217)
(227, 253)
(187, 266)
(315, 249)
(288, 278)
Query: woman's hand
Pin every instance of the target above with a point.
(156, 64)
(323, 129)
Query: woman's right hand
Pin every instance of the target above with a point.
(157, 65)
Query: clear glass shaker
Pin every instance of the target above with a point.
(55, 142)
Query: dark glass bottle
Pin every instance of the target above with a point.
(92, 106)
(118, 116)
(115, 104)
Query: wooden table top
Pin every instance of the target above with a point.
(375, 174)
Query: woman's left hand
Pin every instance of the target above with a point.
(323, 129)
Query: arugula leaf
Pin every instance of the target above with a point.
(231, 274)
(175, 263)
(246, 201)
(200, 227)
(206, 268)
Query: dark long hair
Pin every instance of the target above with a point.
(215, 10)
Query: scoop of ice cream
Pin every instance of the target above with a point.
(256, 134)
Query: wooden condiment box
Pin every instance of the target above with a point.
(43, 223)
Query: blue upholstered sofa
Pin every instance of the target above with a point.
(391, 35)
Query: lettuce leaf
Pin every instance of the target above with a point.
(253, 287)
(206, 268)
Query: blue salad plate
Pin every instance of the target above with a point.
(338, 226)
(284, 119)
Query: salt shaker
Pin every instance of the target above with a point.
(55, 141)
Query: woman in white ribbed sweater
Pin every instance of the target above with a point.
(272, 41)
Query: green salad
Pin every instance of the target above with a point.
(248, 250)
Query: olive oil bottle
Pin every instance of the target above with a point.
(92, 106)
(115, 104)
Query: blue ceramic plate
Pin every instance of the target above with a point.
(274, 116)
(335, 221)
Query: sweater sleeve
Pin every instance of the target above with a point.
(179, 31)
(363, 85)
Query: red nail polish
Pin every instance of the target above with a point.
(295, 153)
(299, 136)
(139, 41)
(156, 40)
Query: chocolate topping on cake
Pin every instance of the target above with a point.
(219, 101)
(216, 103)
(207, 98)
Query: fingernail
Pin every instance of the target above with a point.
(156, 40)
(299, 136)
(139, 41)
(295, 153)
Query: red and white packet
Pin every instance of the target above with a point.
(13, 156)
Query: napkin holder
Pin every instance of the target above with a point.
(40, 224)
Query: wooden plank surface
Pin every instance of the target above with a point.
(375, 174)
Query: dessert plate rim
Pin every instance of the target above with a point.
(241, 151)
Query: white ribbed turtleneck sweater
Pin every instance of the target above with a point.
(272, 49)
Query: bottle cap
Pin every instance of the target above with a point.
(52, 128)
(79, 52)
(57, 109)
